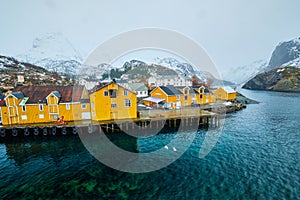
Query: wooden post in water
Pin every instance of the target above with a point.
(112, 128)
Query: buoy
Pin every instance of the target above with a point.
(64, 130)
(53, 130)
(90, 128)
(36, 130)
(45, 132)
(26, 131)
(14, 132)
(2, 132)
(74, 130)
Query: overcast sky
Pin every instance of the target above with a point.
(233, 32)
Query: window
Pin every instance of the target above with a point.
(177, 97)
(67, 106)
(125, 93)
(24, 117)
(41, 116)
(127, 103)
(201, 96)
(105, 93)
(185, 97)
(23, 108)
(83, 106)
(186, 91)
(92, 104)
(113, 93)
(113, 105)
(41, 107)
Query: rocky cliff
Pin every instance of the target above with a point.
(284, 79)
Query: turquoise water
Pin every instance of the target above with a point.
(256, 157)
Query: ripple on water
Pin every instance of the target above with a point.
(256, 157)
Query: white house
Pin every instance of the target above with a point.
(139, 88)
(174, 80)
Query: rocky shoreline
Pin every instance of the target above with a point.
(284, 79)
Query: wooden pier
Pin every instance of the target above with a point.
(144, 125)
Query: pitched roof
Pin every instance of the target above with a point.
(170, 90)
(206, 91)
(18, 95)
(228, 89)
(154, 99)
(57, 94)
(38, 94)
(102, 85)
(137, 86)
(191, 91)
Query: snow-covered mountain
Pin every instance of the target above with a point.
(53, 52)
(11, 68)
(244, 73)
(184, 69)
(286, 54)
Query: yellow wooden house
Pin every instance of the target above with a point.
(225, 93)
(175, 97)
(188, 96)
(44, 104)
(112, 101)
(170, 96)
(204, 96)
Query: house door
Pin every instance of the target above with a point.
(13, 114)
(53, 112)
(113, 115)
(0, 116)
(53, 109)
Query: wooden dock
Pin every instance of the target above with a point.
(149, 122)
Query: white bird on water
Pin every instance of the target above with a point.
(174, 149)
(166, 147)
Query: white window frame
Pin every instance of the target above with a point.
(105, 93)
(24, 117)
(41, 107)
(113, 105)
(125, 93)
(126, 103)
(41, 116)
(68, 106)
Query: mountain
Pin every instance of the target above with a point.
(282, 72)
(54, 53)
(244, 73)
(286, 54)
(184, 69)
(284, 79)
(141, 71)
(10, 68)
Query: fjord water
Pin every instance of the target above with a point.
(256, 157)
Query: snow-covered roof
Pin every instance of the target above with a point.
(154, 99)
(137, 86)
(228, 89)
